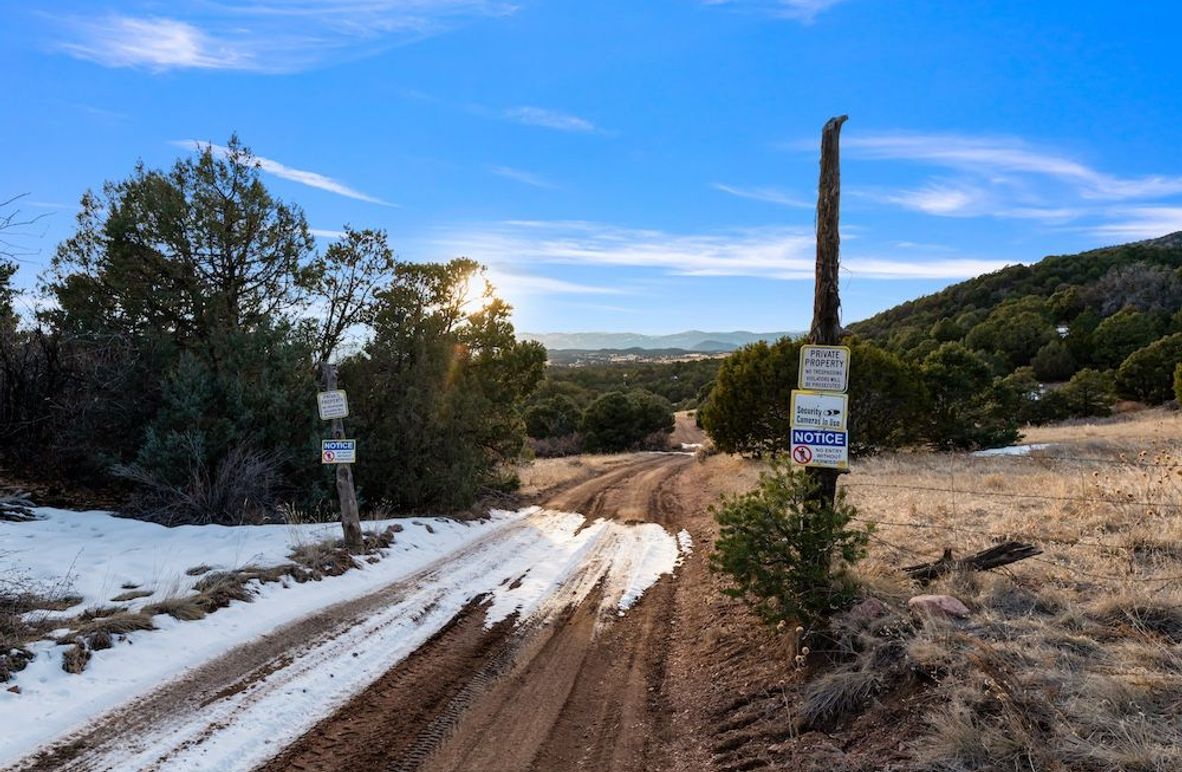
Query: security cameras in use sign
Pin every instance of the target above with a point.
(819, 410)
(824, 368)
(338, 451)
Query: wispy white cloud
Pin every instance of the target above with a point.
(995, 157)
(939, 199)
(550, 119)
(514, 283)
(264, 35)
(1140, 222)
(324, 233)
(301, 176)
(805, 11)
(767, 195)
(524, 177)
(769, 253)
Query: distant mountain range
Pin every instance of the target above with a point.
(692, 340)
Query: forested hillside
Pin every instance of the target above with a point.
(1109, 319)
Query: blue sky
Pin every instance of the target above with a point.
(627, 165)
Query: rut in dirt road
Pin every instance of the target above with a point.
(579, 690)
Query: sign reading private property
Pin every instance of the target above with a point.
(824, 368)
(332, 404)
(819, 447)
(819, 410)
(338, 451)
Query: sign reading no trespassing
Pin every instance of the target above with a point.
(818, 447)
(819, 410)
(824, 368)
(338, 451)
(332, 404)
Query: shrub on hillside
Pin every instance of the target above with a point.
(1178, 383)
(1022, 396)
(1120, 335)
(786, 553)
(1147, 374)
(1053, 362)
(1089, 393)
(1014, 331)
(968, 408)
(556, 416)
(553, 447)
(623, 421)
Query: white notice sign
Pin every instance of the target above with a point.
(824, 368)
(819, 410)
(332, 404)
(338, 451)
(817, 447)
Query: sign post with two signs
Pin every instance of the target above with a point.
(820, 408)
(333, 405)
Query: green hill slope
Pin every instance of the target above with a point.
(1042, 279)
(1109, 320)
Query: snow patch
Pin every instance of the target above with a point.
(685, 542)
(1012, 450)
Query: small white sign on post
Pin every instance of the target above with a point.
(824, 368)
(332, 404)
(338, 451)
(818, 447)
(819, 410)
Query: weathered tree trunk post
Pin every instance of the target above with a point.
(826, 327)
(350, 519)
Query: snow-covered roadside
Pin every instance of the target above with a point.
(101, 552)
(98, 556)
(532, 562)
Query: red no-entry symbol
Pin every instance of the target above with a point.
(801, 454)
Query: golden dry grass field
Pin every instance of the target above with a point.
(1071, 659)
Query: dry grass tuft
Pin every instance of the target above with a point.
(186, 609)
(123, 597)
(120, 623)
(75, 658)
(20, 620)
(220, 589)
(1150, 616)
(98, 612)
(834, 696)
(323, 559)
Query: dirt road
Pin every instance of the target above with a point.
(571, 682)
(584, 692)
